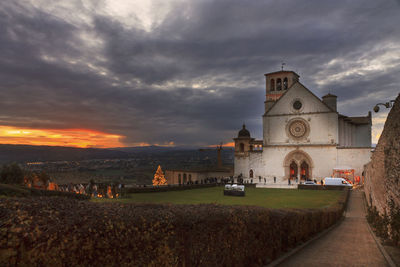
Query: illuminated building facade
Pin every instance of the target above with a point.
(304, 137)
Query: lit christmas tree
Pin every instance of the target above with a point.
(159, 178)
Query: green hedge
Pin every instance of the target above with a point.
(22, 191)
(58, 231)
(164, 188)
(322, 187)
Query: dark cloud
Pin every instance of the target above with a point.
(198, 75)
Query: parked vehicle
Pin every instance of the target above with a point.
(337, 182)
(309, 183)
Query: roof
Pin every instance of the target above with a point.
(244, 132)
(329, 95)
(357, 120)
(307, 90)
(282, 71)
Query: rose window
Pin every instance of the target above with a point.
(297, 129)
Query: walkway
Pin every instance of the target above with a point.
(349, 244)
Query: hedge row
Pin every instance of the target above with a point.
(21, 191)
(164, 188)
(322, 187)
(66, 232)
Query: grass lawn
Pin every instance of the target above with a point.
(265, 197)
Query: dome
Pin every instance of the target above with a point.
(244, 132)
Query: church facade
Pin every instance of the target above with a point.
(304, 137)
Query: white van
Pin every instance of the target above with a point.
(337, 181)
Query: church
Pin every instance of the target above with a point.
(304, 137)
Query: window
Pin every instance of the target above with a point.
(184, 178)
(179, 179)
(241, 149)
(297, 105)
(251, 148)
(272, 85)
(285, 83)
(190, 177)
(251, 173)
(279, 84)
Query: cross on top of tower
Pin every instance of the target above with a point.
(283, 64)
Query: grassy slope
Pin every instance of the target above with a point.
(270, 198)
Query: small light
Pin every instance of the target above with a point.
(376, 109)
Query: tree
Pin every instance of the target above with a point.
(12, 174)
(159, 178)
(44, 178)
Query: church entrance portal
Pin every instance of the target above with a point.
(298, 166)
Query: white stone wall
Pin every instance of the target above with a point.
(355, 158)
(311, 103)
(323, 129)
(323, 161)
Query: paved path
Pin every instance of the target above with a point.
(349, 244)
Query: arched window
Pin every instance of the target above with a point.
(293, 170)
(304, 171)
(272, 85)
(285, 83)
(179, 179)
(279, 84)
(251, 173)
(241, 148)
(190, 177)
(184, 178)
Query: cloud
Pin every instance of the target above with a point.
(187, 72)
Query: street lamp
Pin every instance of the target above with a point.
(387, 105)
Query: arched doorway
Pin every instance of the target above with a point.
(251, 173)
(293, 170)
(304, 173)
(298, 164)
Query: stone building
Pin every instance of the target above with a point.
(304, 137)
(197, 176)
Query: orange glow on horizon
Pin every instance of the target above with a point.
(231, 144)
(83, 138)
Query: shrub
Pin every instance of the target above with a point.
(59, 231)
(21, 191)
(164, 188)
(11, 174)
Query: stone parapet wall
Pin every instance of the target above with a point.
(382, 174)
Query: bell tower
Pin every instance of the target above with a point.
(276, 84)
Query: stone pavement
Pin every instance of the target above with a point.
(349, 244)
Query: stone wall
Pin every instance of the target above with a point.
(382, 174)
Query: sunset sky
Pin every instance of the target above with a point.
(112, 73)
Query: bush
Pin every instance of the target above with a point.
(52, 193)
(164, 188)
(322, 187)
(21, 191)
(58, 231)
(14, 191)
(11, 174)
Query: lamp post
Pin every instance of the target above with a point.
(387, 105)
